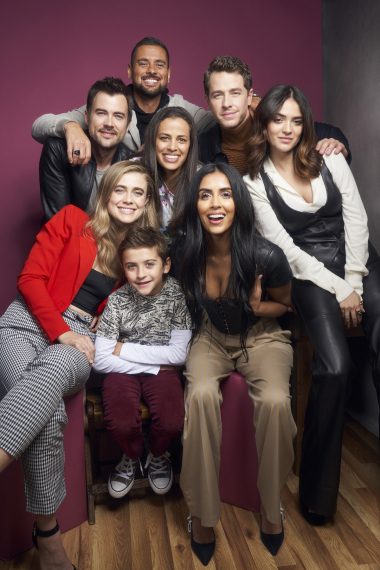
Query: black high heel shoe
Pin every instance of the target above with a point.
(38, 533)
(203, 551)
(273, 542)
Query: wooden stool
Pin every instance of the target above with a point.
(100, 452)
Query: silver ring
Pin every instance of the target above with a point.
(76, 152)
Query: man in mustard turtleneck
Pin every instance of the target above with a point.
(228, 88)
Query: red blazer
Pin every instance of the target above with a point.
(56, 268)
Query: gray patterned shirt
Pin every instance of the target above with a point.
(144, 319)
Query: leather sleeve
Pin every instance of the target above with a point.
(54, 177)
(272, 263)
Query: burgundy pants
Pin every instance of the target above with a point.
(162, 393)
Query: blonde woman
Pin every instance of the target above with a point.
(47, 338)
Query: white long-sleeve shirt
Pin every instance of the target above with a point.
(303, 265)
(139, 358)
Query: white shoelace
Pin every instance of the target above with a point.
(127, 466)
(158, 465)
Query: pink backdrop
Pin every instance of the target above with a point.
(53, 51)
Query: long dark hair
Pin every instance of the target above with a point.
(189, 167)
(190, 249)
(307, 161)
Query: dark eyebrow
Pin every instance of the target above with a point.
(283, 116)
(169, 135)
(146, 60)
(105, 111)
(219, 190)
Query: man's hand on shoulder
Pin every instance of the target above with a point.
(255, 101)
(327, 146)
(78, 144)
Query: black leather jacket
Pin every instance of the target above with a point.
(62, 184)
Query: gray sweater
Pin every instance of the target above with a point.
(51, 125)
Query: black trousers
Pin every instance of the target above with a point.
(324, 419)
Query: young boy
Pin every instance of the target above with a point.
(142, 338)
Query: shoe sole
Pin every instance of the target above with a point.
(119, 494)
(159, 491)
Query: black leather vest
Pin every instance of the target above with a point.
(320, 234)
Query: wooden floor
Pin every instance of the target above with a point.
(148, 532)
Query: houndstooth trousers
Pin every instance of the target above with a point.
(34, 377)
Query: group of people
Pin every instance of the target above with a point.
(157, 257)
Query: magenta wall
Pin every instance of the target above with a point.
(52, 51)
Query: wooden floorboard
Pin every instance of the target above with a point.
(147, 532)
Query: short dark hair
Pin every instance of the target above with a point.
(137, 238)
(149, 41)
(111, 86)
(229, 64)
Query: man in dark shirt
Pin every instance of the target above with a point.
(228, 89)
(108, 113)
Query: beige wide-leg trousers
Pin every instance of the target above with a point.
(212, 357)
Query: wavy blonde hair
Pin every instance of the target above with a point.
(108, 233)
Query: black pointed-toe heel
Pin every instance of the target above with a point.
(272, 542)
(203, 551)
(38, 533)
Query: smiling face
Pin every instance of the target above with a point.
(144, 269)
(228, 99)
(285, 129)
(149, 71)
(216, 206)
(172, 143)
(107, 119)
(128, 198)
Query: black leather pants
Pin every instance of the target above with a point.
(324, 419)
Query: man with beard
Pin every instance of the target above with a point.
(107, 115)
(149, 72)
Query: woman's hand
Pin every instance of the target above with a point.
(276, 306)
(352, 309)
(80, 342)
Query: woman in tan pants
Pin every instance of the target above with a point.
(236, 283)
